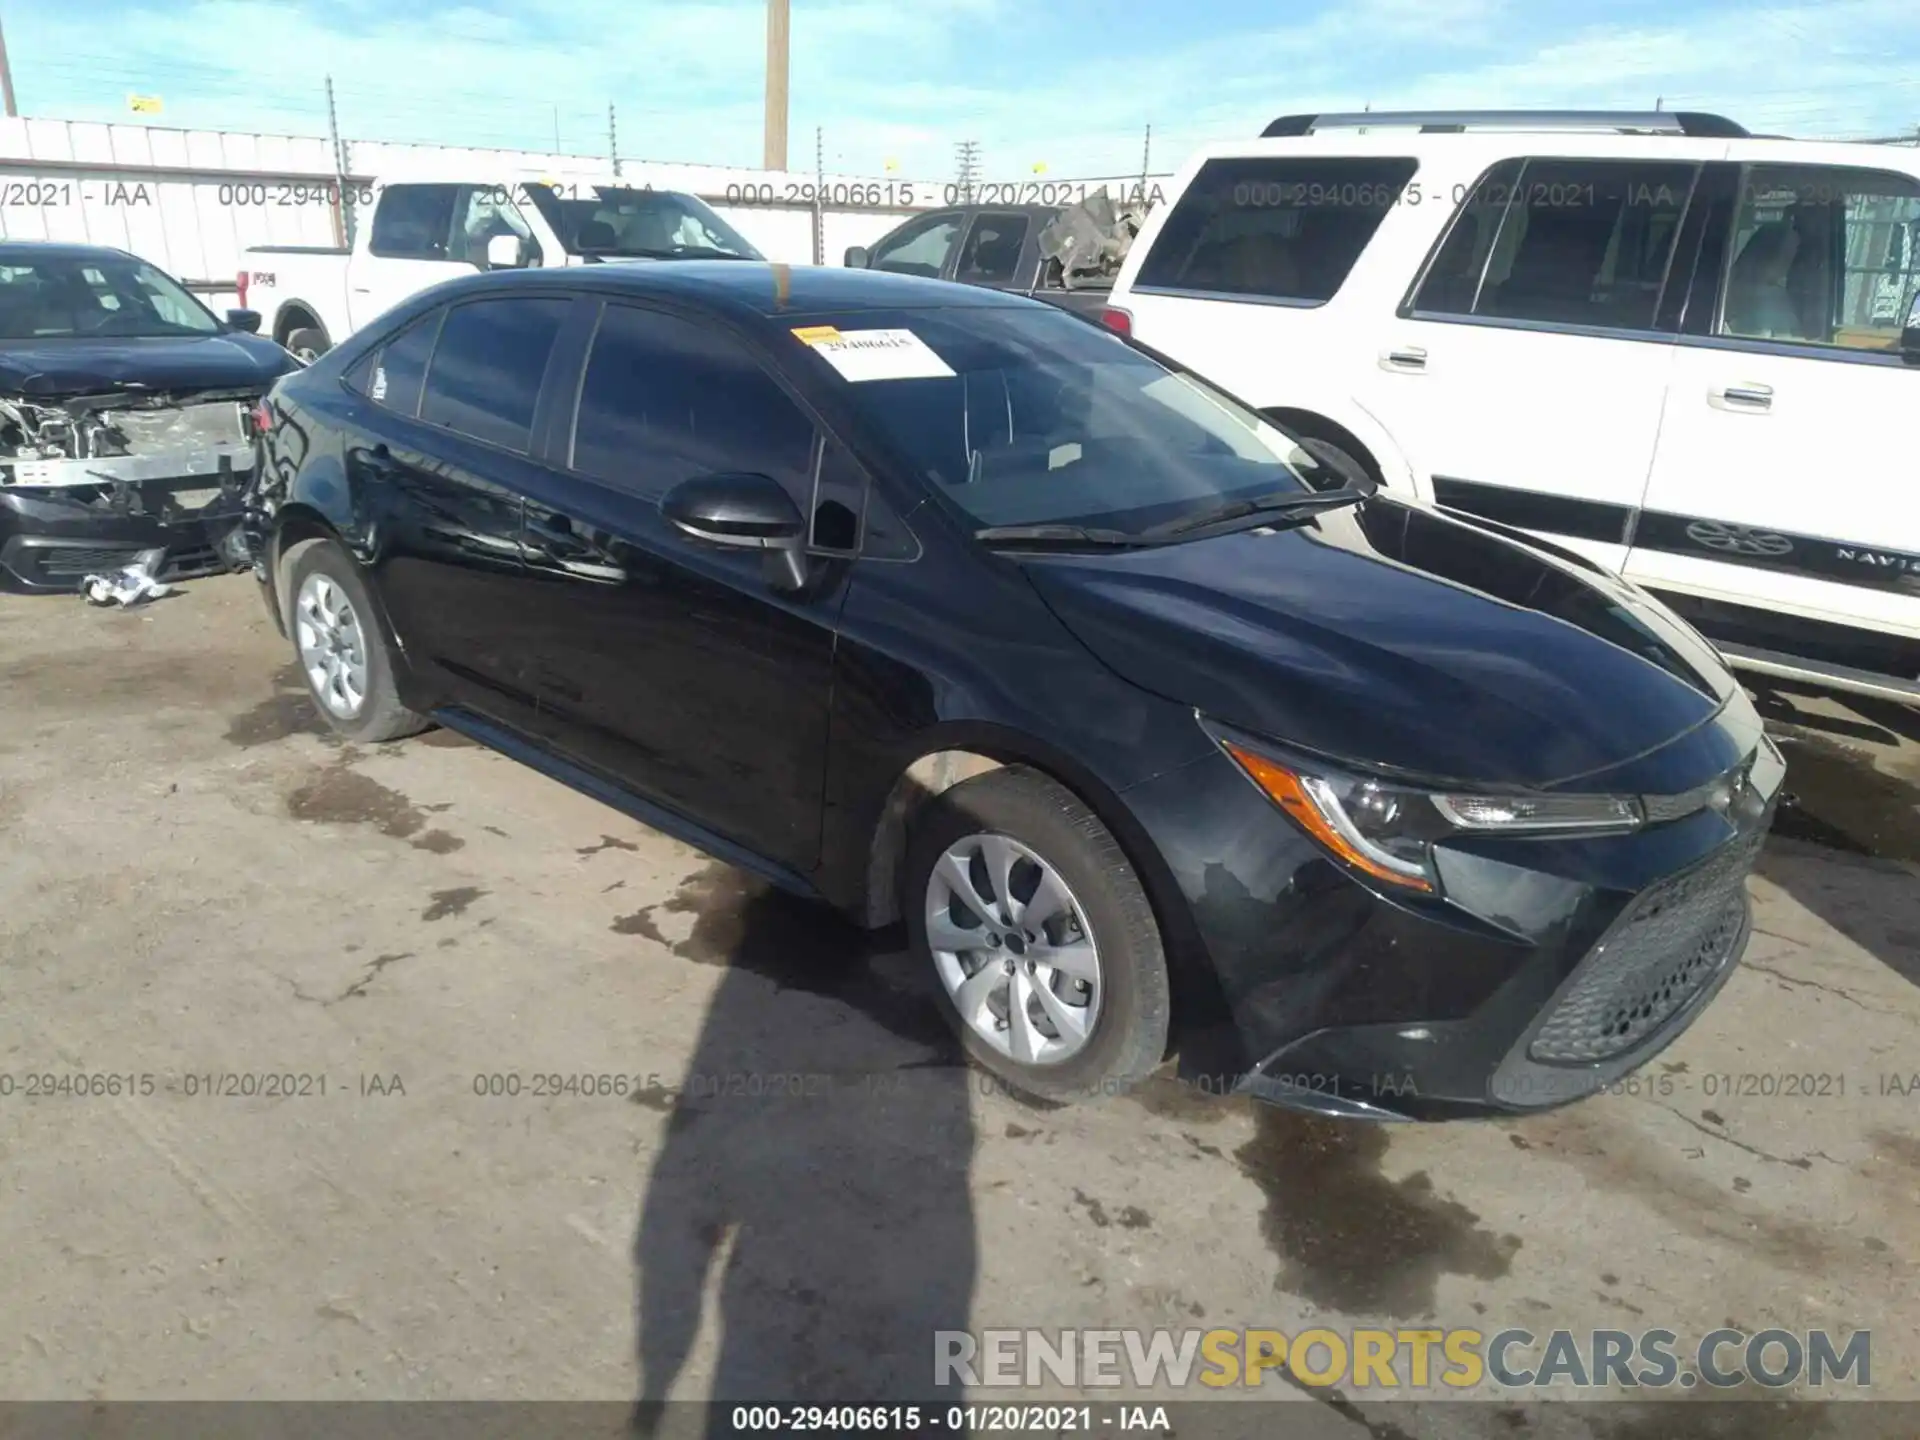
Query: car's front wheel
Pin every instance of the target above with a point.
(1047, 951)
(343, 651)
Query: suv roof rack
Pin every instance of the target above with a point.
(1651, 122)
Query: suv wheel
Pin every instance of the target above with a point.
(343, 652)
(307, 344)
(1048, 955)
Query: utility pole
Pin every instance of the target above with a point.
(967, 169)
(819, 196)
(775, 153)
(1146, 162)
(556, 129)
(613, 143)
(342, 198)
(6, 78)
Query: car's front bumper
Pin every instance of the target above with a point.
(1550, 969)
(50, 541)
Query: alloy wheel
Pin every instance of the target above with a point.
(333, 649)
(1013, 949)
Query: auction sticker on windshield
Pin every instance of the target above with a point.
(874, 354)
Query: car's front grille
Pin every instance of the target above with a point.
(74, 562)
(1654, 960)
(187, 563)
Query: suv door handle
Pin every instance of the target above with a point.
(1408, 357)
(1741, 397)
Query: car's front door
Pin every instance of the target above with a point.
(440, 460)
(669, 664)
(1527, 374)
(1780, 480)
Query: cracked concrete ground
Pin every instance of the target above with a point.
(800, 1182)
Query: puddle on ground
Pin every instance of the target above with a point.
(288, 711)
(1844, 802)
(442, 903)
(1350, 1239)
(340, 795)
(743, 923)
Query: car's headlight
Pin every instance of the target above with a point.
(1387, 829)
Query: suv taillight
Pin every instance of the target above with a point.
(240, 284)
(1117, 320)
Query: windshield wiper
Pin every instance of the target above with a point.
(1069, 536)
(1289, 504)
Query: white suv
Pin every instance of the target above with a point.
(1680, 350)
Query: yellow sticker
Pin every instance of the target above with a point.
(815, 334)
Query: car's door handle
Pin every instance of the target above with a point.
(1407, 357)
(1741, 397)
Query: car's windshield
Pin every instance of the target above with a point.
(615, 221)
(1047, 419)
(75, 296)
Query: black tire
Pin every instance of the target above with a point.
(1129, 1037)
(308, 339)
(380, 716)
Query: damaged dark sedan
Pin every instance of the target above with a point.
(126, 419)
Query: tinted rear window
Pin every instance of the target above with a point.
(393, 372)
(1283, 229)
(485, 377)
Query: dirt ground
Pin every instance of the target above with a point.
(195, 884)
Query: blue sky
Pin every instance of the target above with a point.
(1068, 84)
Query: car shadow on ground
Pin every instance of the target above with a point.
(809, 1200)
(1846, 839)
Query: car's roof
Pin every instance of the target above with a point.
(25, 252)
(763, 291)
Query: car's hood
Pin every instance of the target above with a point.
(1399, 638)
(49, 369)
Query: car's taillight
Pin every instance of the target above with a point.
(1117, 320)
(240, 284)
(262, 417)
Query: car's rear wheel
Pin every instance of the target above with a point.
(343, 652)
(308, 344)
(1048, 955)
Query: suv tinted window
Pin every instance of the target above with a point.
(1823, 256)
(1578, 242)
(486, 370)
(664, 399)
(1284, 229)
(992, 252)
(394, 371)
(1452, 281)
(920, 248)
(412, 222)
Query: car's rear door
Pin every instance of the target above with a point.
(1779, 482)
(442, 461)
(665, 663)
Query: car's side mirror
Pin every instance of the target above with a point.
(856, 257)
(506, 252)
(246, 321)
(1910, 332)
(744, 512)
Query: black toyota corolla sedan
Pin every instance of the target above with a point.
(944, 606)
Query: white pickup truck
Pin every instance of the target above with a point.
(422, 232)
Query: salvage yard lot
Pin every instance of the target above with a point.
(195, 884)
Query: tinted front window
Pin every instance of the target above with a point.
(1047, 418)
(413, 222)
(992, 252)
(665, 399)
(1284, 229)
(485, 377)
(77, 296)
(919, 248)
(1585, 242)
(401, 364)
